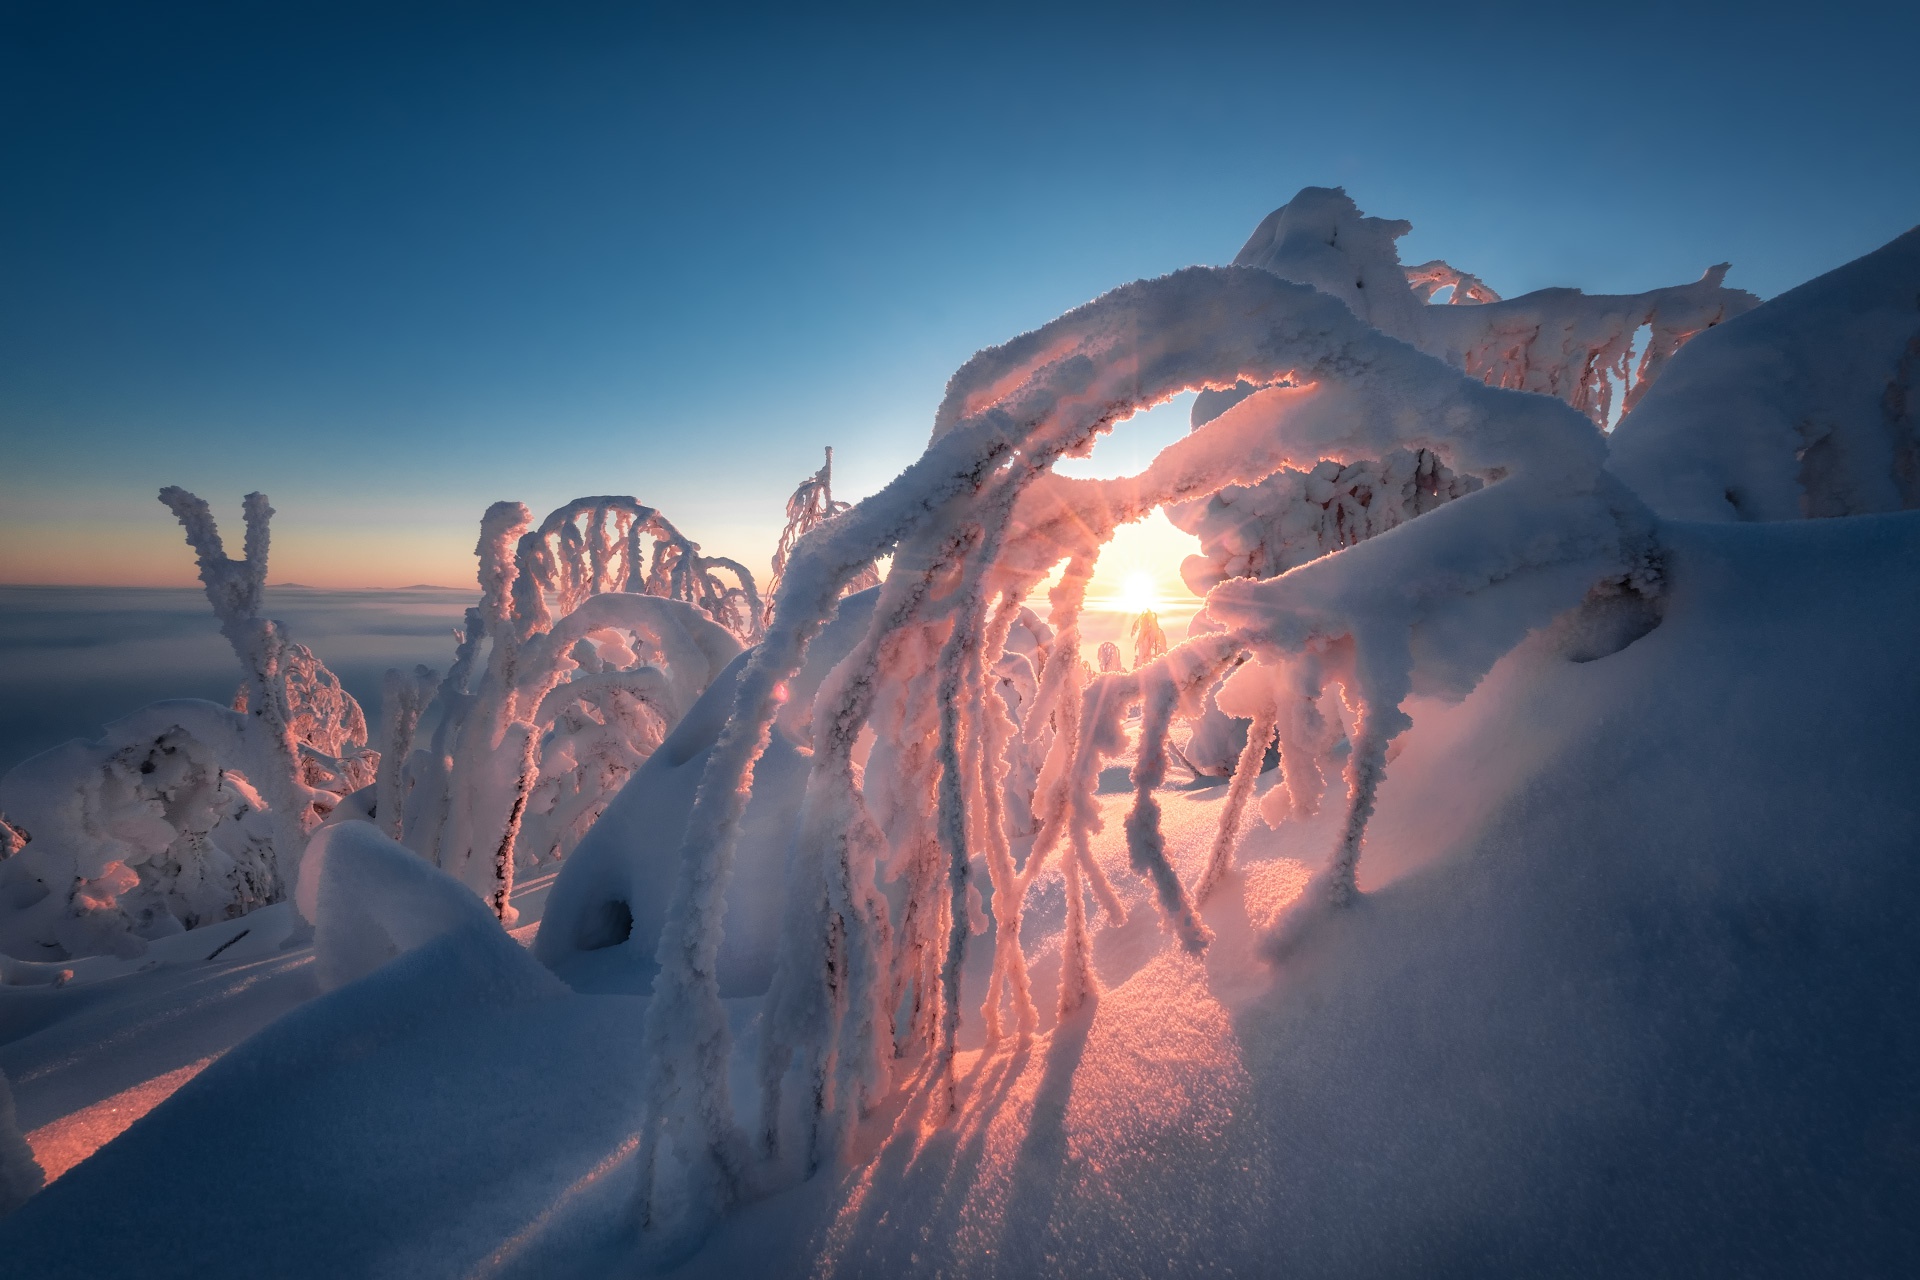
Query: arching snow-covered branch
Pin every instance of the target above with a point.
(593, 651)
(974, 527)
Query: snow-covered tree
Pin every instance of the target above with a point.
(1502, 516)
(1589, 350)
(184, 812)
(811, 504)
(1149, 641)
(593, 651)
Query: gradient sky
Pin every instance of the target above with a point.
(392, 262)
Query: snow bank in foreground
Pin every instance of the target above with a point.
(370, 899)
(406, 1124)
(20, 1175)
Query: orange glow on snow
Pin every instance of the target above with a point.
(67, 1141)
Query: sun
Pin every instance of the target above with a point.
(1139, 593)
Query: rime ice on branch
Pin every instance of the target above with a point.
(1581, 348)
(593, 650)
(974, 528)
(811, 504)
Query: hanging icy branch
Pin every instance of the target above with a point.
(593, 546)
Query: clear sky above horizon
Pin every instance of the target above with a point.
(390, 263)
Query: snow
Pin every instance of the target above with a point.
(1570, 935)
(1484, 1067)
(20, 1174)
(1805, 406)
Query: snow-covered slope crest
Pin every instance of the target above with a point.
(1806, 406)
(370, 898)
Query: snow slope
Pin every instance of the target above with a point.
(1630, 992)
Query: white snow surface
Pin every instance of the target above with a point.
(1629, 993)
(1806, 406)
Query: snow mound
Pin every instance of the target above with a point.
(1806, 406)
(420, 1121)
(370, 899)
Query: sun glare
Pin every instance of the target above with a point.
(1138, 593)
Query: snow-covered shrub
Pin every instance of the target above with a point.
(151, 830)
(1809, 405)
(974, 527)
(184, 812)
(592, 653)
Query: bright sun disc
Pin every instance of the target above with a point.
(1138, 593)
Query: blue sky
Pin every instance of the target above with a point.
(390, 263)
